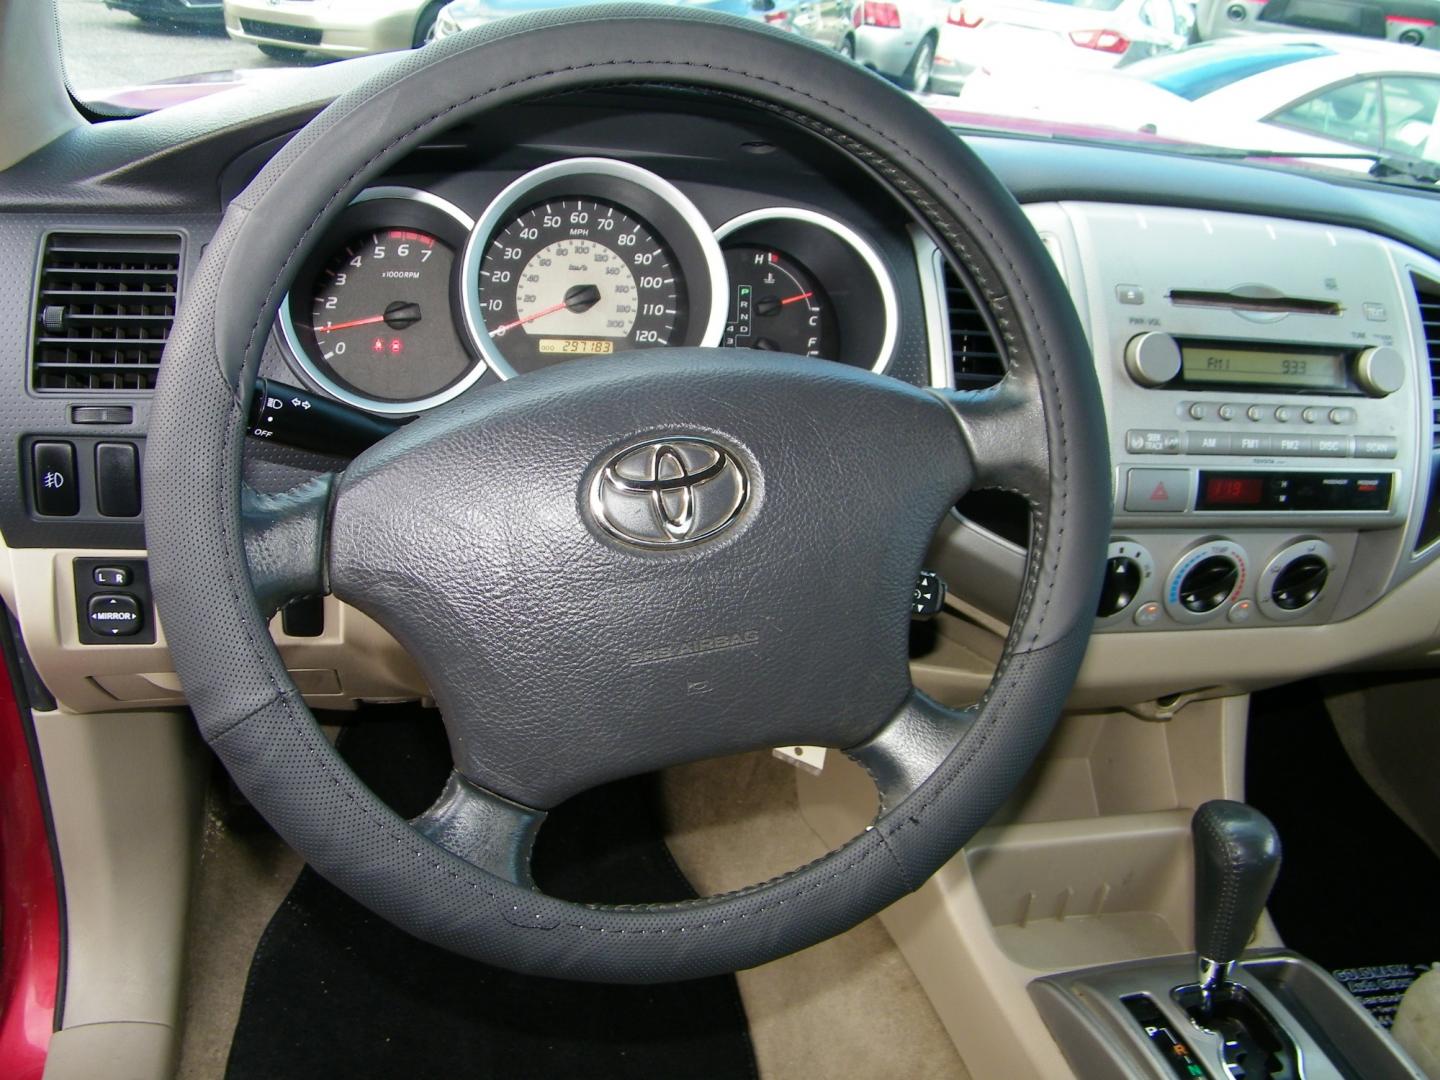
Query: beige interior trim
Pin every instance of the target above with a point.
(125, 796)
(112, 1051)
(353, 659)
(1089, 863)
(32, 76)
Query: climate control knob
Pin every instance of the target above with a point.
(1128, 569)
(1295, 579)
(1206, 581)
(1209, 583)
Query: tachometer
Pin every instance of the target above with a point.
(588, 257)
(371, 317)
(579, 277)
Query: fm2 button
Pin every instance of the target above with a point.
(114, 614)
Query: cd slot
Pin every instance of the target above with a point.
(1282, 305)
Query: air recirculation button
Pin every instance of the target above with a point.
(1208, 584)
(1300, 583)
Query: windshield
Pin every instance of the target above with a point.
(1171, 75)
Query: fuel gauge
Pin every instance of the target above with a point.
(776, 305)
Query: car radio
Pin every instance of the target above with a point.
(1280, 406)
(1265, 412)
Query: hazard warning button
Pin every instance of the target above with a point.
(1157, 490)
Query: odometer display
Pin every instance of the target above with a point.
(579, 277)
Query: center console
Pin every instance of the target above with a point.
(1267, 386)
(1270, 1017)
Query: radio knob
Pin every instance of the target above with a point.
(1209, 583)
(1152, 358)
(1380, 371)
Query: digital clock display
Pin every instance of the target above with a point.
(1222, 490)
(1282, 369)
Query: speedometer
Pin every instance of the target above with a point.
(588, 257)
(579, 277)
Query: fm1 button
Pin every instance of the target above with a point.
(114, 614)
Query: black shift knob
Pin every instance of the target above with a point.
(1237, 855)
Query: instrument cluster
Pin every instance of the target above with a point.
(409, 301)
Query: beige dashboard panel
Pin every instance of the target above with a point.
(354, 659)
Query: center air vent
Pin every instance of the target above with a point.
(1427, 295)
(103, 309)
(974, 356)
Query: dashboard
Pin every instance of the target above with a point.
(1264, 343)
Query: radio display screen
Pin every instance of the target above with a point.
(1282, 369)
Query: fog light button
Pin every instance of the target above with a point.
(114, 614)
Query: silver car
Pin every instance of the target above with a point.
(897, 38)
(1407, 22)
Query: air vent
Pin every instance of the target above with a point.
(974, 356)
(1427, 295)
(103, 310)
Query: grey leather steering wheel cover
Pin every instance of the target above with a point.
(252, 715)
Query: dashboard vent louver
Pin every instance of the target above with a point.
(1427, 295)
(103, 309)
(974, 356)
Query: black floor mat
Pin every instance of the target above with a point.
(1357, 887)
(335, 991)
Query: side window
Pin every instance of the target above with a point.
(1410, 107)
(1350, 113)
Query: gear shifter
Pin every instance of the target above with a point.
(1237, 855)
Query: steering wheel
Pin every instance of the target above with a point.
(563, 654)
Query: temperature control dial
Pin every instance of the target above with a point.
(1206, 581)
(1128, 570)
(1295, 579)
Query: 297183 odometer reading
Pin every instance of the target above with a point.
(579, 277)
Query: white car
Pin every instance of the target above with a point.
(1042, 34)
(1296, 95)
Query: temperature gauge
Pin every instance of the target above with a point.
(776, 305)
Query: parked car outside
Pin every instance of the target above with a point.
(197, 13)
(1407, 22)
(1043, 34)
(286, 28)
(896, 38)
(461, 15)
(1295, 96)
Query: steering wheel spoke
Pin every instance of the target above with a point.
(285, 539)
(1004, 427)
(911, 745)
(484, 829)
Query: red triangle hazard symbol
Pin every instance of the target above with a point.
(1160, 494)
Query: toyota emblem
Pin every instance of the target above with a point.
(668, 492)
